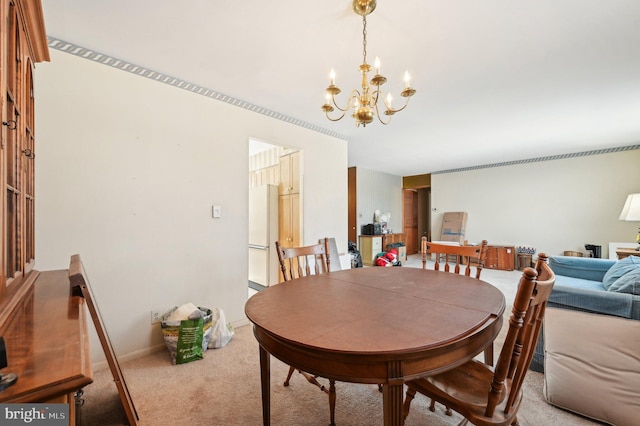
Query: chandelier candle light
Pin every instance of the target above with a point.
(365, 103)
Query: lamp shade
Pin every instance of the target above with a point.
(631, 209)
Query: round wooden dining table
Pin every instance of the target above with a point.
(378, 325)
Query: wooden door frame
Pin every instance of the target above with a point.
(352, 205)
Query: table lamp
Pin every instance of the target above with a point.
(631, 212)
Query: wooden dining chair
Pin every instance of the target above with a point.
(486, 396)
(297, 262)
(450, 258)
(460, 258)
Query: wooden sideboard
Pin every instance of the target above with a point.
(500, 257)
(45, 331)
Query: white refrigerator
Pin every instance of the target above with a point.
(263, 233)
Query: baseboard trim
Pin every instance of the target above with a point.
(103, 364)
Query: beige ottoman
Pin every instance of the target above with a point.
(592, 365)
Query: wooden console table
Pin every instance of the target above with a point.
(45, 331)
(626, 252)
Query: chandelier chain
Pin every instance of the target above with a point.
(364, 39)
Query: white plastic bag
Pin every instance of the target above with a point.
(221, 331)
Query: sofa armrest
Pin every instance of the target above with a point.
(590, 361)
(587, 268)
(593, 301)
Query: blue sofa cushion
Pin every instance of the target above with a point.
(626, 266)
(579, 283)
(628, 283)
(586, 268)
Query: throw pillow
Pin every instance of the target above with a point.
(628, 283)
(620, 268)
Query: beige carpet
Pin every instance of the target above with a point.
(224, 389)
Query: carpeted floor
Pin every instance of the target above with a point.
(224, 389)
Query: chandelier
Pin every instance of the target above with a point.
(364, 103)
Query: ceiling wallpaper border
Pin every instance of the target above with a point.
(540, 159)
(82, 52)
(74, 49)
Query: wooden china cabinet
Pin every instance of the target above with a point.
(43, 326)
(22, 43)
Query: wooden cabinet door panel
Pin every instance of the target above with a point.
(500, 257)
(290, 174)
(296, 238)
(289, 220)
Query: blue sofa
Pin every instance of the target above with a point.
(589, 285)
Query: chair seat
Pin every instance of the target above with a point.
(465, 391)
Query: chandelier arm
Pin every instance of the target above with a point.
(380, 118)
(399, 109)
(379, 92)
(375, 95)
(335, 119)
(354, 93)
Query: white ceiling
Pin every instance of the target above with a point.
(496, 80)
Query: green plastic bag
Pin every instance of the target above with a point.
(187, 340)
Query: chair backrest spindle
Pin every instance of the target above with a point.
(296, 262)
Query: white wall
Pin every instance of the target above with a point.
(553, 205)
(127, 172)
(378, 191)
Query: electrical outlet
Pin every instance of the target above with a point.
(156, 316)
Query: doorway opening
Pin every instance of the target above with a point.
(275, 208)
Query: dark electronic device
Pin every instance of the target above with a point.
(595, 250)
(372, 229)
(8, 379)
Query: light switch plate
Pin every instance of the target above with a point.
(217, 212)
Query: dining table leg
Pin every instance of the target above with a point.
(392, 393)
(265, 379)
